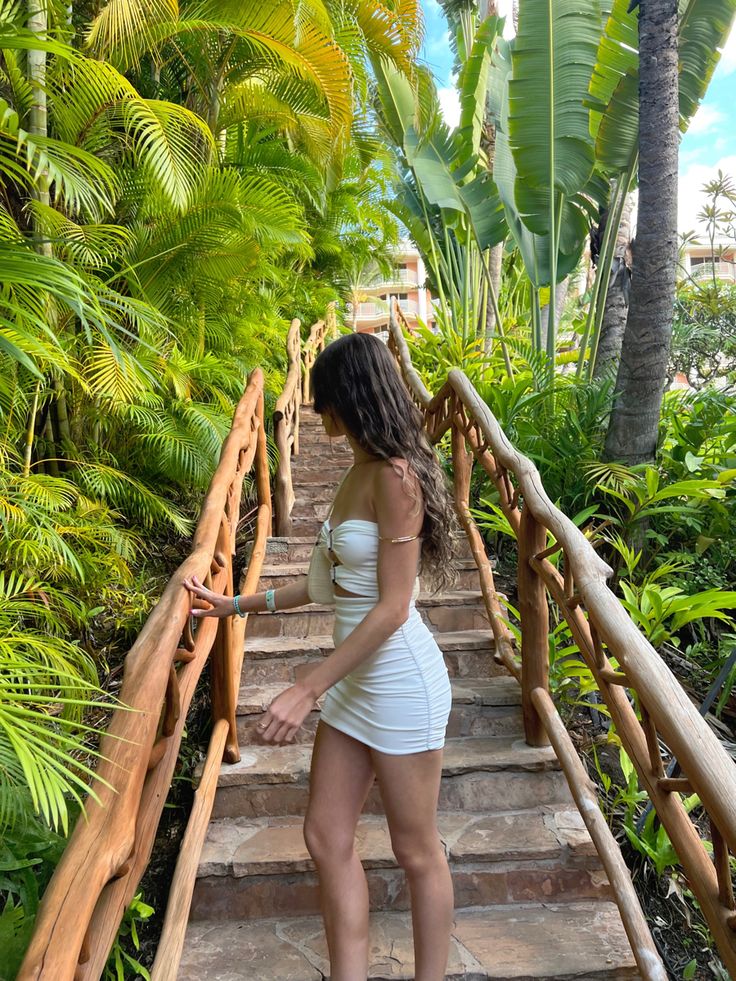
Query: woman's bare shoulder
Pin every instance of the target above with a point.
(396, 481)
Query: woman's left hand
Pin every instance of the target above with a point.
(286, 714)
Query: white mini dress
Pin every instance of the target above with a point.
(398, 700)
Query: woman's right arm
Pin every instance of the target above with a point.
(285, 598)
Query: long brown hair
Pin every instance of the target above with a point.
(357, 380)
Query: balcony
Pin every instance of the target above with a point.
(409, 306)
(399, 277)
(724, 270)
(368, 311)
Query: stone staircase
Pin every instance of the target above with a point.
(532, 901)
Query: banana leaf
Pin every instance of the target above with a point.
(614, 89)
(473, 84)
(553, 58)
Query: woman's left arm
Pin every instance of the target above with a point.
(399, 513)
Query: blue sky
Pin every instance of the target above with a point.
(709, 144)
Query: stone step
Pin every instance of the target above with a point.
(550, 942)
(306, 527)
(308, 416)
(480, 707)
(478, 774)
(309, 472)
(311, 509)
(296, 549)
(282, 573)
(326, 450)
(330, 463)
(313, 436)
(459, 609)
(317, 493)
(251, 869)
(468, 654)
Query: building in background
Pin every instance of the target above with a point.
(407, 284)
(698, 260)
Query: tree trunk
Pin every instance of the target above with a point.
(642, 374)
(486, 9)
(38, 118)
(495, 263)
(561, 291)
(617, 299)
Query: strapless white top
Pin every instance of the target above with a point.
(347, 556)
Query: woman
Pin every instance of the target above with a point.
(387, 693)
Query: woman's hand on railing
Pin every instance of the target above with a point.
(219, 605)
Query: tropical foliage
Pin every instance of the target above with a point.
(177, 181)
(560, 101)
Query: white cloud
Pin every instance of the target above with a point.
(690, 196)
(505, 9)
(727, 64)
(706, 119)
(449, 105)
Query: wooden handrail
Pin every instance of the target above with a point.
(297, 392)
(110, 846)
(602, 629)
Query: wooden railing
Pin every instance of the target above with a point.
(110, 847)
(603, 631)
(297, 391)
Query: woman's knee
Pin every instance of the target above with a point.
(327, 843)
(417, 855)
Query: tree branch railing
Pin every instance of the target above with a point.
(297, 392)
(110, 847)
(604, 633)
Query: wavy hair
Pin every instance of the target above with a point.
(356, 379)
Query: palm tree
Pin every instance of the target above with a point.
(642, 374)
(606, 358)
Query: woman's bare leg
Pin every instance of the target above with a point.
(410, 789)
(341, 777)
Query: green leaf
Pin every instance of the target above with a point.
(614, 89)
(553, 57)
(473, 84)
(690, 968)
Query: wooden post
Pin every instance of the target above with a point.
(534, 625)
(306, 381)
(222, 673)
(462, 466)
(283, 492)
(263, 484)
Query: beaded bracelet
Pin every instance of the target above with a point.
(271, 600)
(236, 604)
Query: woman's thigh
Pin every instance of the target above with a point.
(409, 787)
(340, 779)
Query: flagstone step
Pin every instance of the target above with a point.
(308, 471)
(552, 942)
(467, 653)
(259, 869)
(333, 459)
(478, 774)
(281, 574)
(296, 549)
(480, 707)
(317, 493)
(455, 609)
